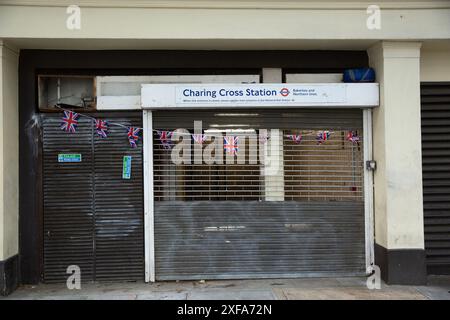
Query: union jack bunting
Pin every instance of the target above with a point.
(101, 127)
(164, 138)
(322, 136)
(69, 121)
(230, 145)
(263, 137)
(297, 138)
(353, 137)
(133, 136)
(199, 138)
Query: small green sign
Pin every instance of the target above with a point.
(69, 157)
(126, 171)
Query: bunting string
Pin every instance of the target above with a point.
(263, 137)
(165, 138)
(110, 122)
(231, 145)
(199, 138)
(70, 121)
(353, 137)
(322, 136)
(297, 138)
(102, 128)
(133, 136)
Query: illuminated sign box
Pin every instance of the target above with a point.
(175, 96)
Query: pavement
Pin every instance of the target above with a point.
(353, 288)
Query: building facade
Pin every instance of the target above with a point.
(328, 186)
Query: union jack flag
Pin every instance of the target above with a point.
(101, 127)
(70, 121)
(322, 136)
(353, 137)
(133, 136)
(199, 138)
(164, 138)
(263, 137)
(230, 145)
(297, 138)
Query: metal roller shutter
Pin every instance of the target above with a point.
(92, 217)
(436, 175)
(216, 221)
(68, 208)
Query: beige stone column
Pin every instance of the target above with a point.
(399, 232)
(9, 165)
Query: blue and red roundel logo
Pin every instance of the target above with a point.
(284, 92)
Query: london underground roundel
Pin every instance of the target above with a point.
(284, 92)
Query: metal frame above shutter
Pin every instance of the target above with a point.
(124, 92)
(436, 175)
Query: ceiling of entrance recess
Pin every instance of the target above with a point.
(235, 3)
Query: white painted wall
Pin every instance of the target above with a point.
(225, 20)
(9, 152)
(397, 146)
(314, 77)
(435, 62)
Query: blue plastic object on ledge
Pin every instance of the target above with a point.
(359, 75)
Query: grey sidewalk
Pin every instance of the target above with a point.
(280, 289)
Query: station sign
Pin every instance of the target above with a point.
(173, 96)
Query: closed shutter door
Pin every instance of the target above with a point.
(436, 175)
(216, 221)
(68, 200)
(92, 217)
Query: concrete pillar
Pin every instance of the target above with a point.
(273, 170)
(9, 169)
(399, 232)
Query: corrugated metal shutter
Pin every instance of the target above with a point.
(68, 201)
(213, 221)
(92, 217)
(436, 175)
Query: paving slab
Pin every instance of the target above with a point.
(313, 283)
(435, 292)
(236, 285)
(231, 295)
(162, 296)
(352, 281)
(348, 293)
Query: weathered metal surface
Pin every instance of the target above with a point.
(253, 239)
(256, 119)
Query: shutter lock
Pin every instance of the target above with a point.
(371, 165)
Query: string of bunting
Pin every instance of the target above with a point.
(231, 143)
(70, 122)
